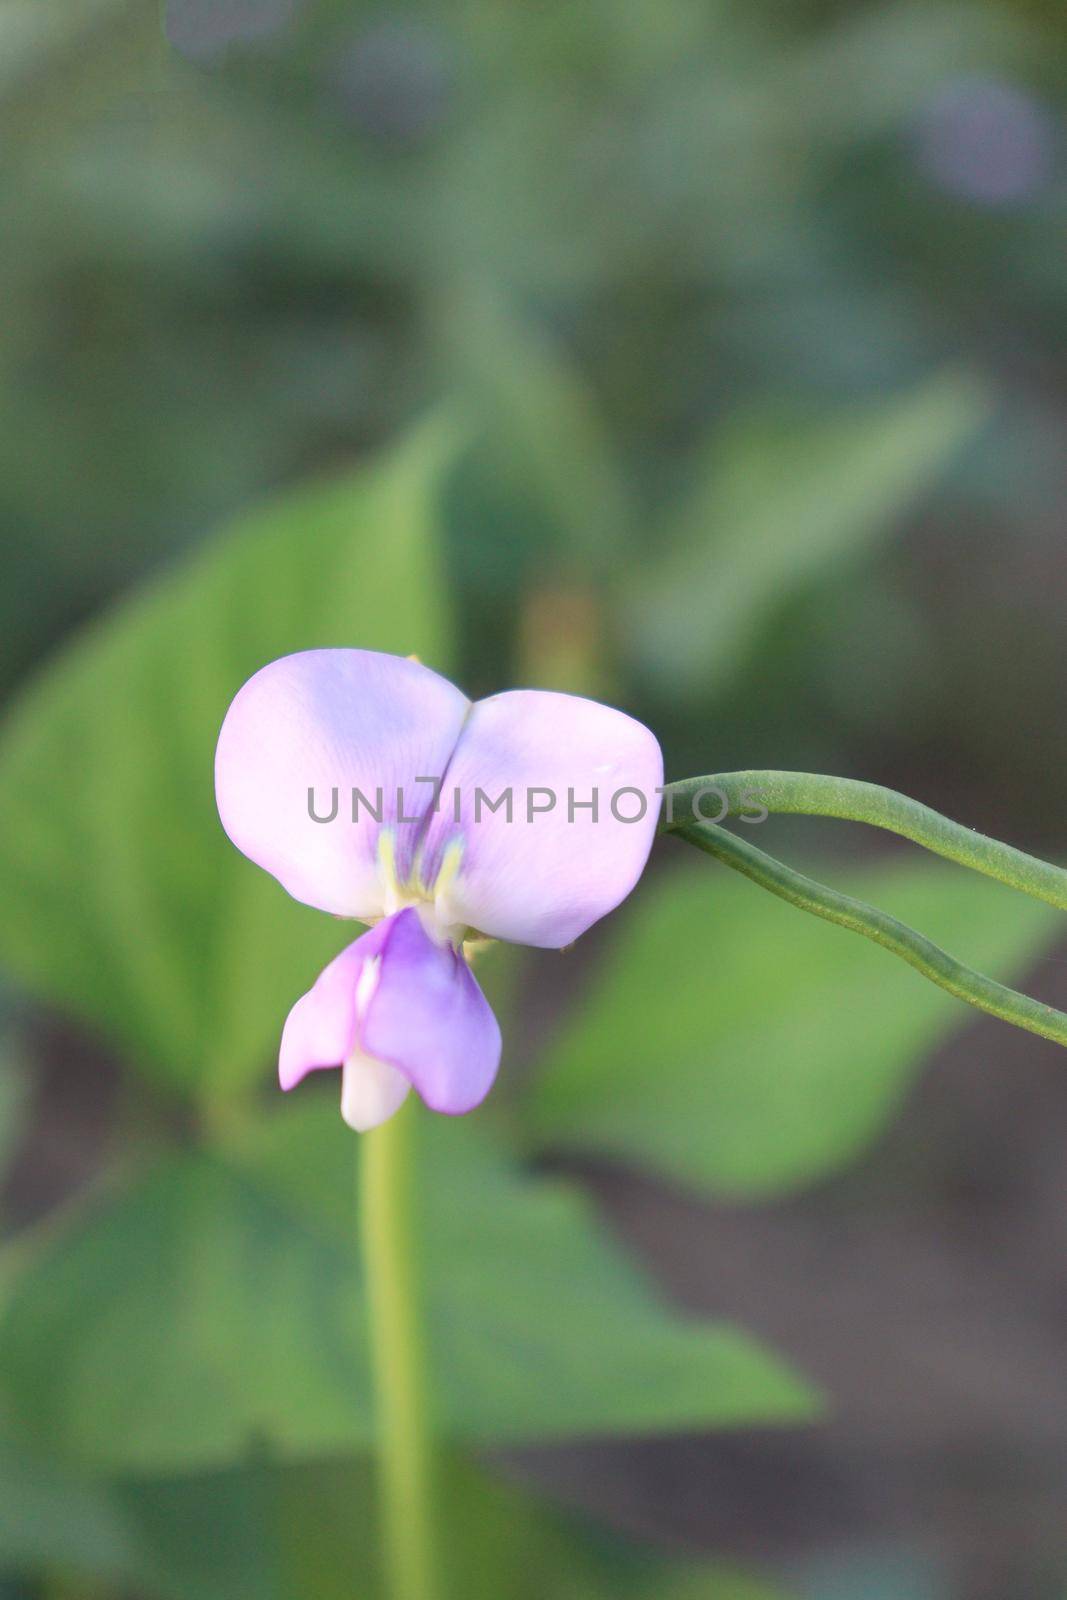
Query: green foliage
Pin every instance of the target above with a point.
(545, 443)
(774, 504)
(50, 1519)
(731, 1044)
(123, 901)
(621, 232)
(229, 1284)
(266, 1532)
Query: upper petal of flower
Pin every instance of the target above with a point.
(333, 720)
(545, 875)
(428, 1018)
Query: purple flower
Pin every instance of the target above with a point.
(372, 788)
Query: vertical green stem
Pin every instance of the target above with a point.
(405, 1464)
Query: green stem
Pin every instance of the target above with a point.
(920, 952)
(405, 1460)
(811, 794)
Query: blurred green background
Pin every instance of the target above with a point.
(709, 359)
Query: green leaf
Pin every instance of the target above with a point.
(124, 902)
(267, 1532)
(731, 1043)
(258, 1533)
(34, 33)
(215, 1307)
(774, 504)
(264, 1531)
(545, 442)
(542, 1327)
(58, 56)
(545, 1329)
(51, 1522)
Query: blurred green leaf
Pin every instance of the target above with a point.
(542, 1327)
(229, 1285)
(202, 1321)
(264, 1531)
(58, 56)
(774, 504)
(237, 1535)
(267, 1532)
(123, 900)
(34, 32)
(732, 1044)
(544, 442)
(52, 1523)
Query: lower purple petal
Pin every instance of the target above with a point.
(430, 1020)
(320, 1030)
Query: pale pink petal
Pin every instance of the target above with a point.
(545, 875)
(331, 721)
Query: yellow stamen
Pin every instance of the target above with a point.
(449, 868)
(387, 865)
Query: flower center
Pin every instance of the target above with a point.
(426, 898)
